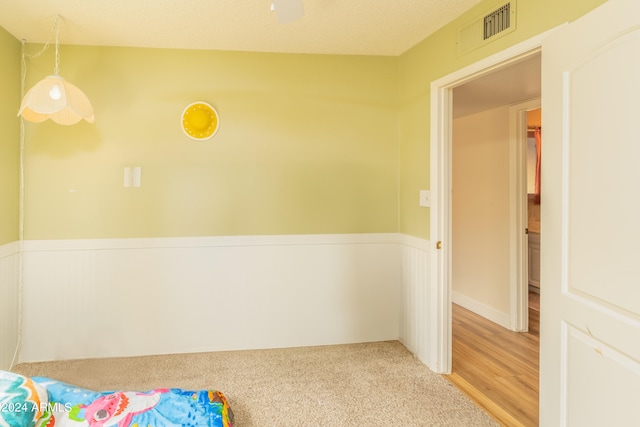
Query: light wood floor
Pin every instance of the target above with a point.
(497, 368)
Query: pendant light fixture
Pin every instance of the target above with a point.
(55, 98)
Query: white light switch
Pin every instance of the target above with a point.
(132, 176)
(136, 176)
(425, 198)
(126, 179)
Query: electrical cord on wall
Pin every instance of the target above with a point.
(23, 74)
(23, 77)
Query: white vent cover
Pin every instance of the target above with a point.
(495, 23)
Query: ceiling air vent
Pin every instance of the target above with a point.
(497, 21)
(490, 25)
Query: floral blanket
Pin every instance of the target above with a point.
(44, 402)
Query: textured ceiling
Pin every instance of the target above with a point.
(359, 27)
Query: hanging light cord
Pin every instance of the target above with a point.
(23, 74)
(53, 35)
(55, 28)
(23, 78)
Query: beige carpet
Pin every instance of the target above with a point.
(371, 384)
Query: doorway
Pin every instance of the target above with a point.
(440, 176)
(493, 206)
(534, 201)
(488, 191)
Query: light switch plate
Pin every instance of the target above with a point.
(136, 176)
(126, 181)
(425, 198)
(132, 176)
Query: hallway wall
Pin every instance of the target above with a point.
(480, 214)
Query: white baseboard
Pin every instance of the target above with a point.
(481, 309)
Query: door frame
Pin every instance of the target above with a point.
(440, 178)
(518, 218)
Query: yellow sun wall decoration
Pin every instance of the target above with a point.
(200, 121)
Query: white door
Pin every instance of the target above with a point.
(590, 325)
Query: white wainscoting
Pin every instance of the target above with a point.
(414, 324)
(126, 297)
(9, 302)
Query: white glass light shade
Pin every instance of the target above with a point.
(56, 99)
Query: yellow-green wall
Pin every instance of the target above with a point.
(307, 144)
(436, 57)
(9, 137)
